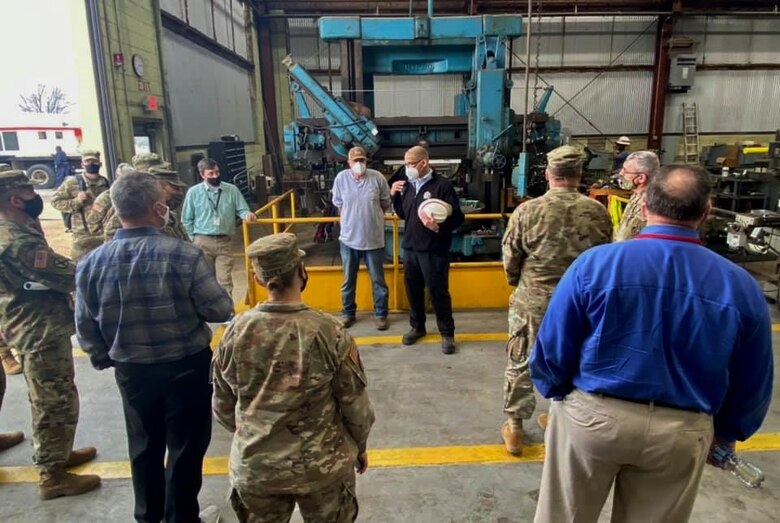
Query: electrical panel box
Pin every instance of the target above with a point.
(681, 73)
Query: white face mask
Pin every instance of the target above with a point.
(358, 168)
(166, 217)
(412, 173)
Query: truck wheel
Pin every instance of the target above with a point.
(41, 176)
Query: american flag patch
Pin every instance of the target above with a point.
(41, 259)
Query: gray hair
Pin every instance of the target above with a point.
(647, 162)
(134, 194)
(206, 164)
(679, 192)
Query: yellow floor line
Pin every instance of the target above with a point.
(378, 458)
(394, 339)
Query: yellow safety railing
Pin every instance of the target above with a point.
(616, 204)
(462, 273)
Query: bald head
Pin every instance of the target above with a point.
(417, 153)
(679, 193)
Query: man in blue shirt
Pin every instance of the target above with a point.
(142, 303)
(362, 197)
(648, 347)
(209, 214)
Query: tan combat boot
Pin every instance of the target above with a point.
(58, 483)
(10, 439)
(542, 421)
(80, 456)
(10, 365)
(513, 438)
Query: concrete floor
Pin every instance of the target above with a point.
(422, 399)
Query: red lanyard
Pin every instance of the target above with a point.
(657, 236)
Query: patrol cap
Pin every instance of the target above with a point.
(90, 154)
(123, 168)
(275, 254)
(357, 153)
(165, 174)
(144, 161)
(565, 156)
(12, 178)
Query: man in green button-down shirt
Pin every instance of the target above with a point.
(209, 214)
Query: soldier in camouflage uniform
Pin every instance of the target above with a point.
(40, 323)
(638, 169)
(173, 187)
(543, 237)
(76, 195)
(101, 210)
(10, 365)
(7, 439)
(288, 381)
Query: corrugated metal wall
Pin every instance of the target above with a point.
(416, 95)
(615, 103)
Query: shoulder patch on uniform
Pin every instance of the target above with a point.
(61, 263)
(96, 206)
(354, 355)
(41, 259)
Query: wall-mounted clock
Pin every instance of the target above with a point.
(138, 65)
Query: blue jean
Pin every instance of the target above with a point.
(350, 259)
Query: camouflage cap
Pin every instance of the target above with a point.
(165, 174)
(565, 156)
(145, 161)
(90, 154)
(275, 254)
(123, 168)
(12, 178)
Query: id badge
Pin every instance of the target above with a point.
(215, 221)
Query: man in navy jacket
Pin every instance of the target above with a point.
(426, 245)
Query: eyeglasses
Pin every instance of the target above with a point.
(623, 171)
(412, 164)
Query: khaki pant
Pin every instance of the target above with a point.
(217, 250)
(653, 455)
(334, 504)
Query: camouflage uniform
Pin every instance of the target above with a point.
(543, 237)
(85, 237)
(632, 221)
(39, 323)
(288, 381)
(153, 164)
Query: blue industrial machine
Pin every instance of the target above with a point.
(483, 132)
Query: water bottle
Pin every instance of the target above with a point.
(745, 471)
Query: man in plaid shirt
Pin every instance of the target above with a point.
(142, 303)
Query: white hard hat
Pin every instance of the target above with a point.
(623, 140)
(437, 209)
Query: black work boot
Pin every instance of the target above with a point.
(411, 337)
(448, 344)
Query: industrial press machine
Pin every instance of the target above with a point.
(483, 137)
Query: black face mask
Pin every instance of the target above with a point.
(214, 182)
(34, 206)
(92, 168)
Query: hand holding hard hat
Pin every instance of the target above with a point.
(434, 208)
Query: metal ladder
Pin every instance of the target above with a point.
(690, 116)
